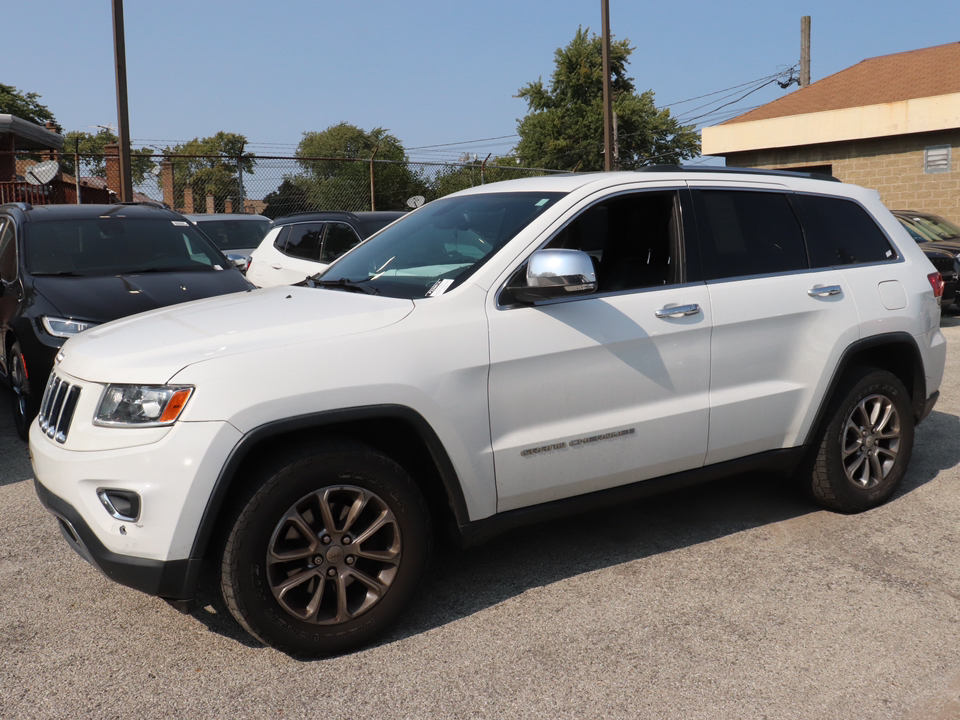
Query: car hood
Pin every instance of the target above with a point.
(153, 347)
(108, 297)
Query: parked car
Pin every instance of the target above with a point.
(942, 256)
(517, 351)
(938, 227)
(236, 234)
(303, 244)
(67, 268)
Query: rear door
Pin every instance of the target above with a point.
(779, 325)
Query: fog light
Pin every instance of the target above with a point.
(121, 504)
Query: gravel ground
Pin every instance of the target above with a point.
(735, 600)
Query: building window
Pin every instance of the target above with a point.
(936, 159)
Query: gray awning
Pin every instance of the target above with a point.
(29, 136)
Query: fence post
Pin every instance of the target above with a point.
(373, 203)
(240, 201)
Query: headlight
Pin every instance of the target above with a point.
(62, 327)
(141, 405)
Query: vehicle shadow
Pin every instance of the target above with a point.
(462, 582)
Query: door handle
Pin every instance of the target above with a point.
(678, 311)
(276, 266)
(824, 290)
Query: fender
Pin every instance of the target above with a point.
(228, 472)
(917, 384)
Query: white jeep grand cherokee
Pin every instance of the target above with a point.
(506, 354)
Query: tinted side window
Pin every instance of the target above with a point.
(744, 232)
(8, 252)
(280, 241)
(633, 240)
(840, 232)
(304, 241)
(340, 238)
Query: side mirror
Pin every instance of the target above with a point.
(241, 262)
(557, 273)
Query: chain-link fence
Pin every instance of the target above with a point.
(265, 185)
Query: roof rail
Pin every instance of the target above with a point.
(150, 203)
(735, 170)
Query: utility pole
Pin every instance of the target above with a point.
(607, 99)
(804, 51)
(123, 121)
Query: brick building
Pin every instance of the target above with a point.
(891, 123)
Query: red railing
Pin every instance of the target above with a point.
(56, 192)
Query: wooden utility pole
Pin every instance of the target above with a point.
(123, 121)
(804, 51)
(607, 99)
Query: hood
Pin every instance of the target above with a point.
(108, 297)
(154, 346)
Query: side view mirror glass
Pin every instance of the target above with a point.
(556, 273)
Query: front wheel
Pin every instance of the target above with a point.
(864, 450)
(327, 552)
(24, 402)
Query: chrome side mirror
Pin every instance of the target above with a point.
(239, 261)
(556, 273)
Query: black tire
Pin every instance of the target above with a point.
(25, 403)
(310, 511)
(864, 448)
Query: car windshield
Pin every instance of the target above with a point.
(234, 234)
(438, 246)
(111, 245)
(940, 228)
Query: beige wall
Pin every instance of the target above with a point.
(891, 166)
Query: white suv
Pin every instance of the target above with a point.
(506, 354)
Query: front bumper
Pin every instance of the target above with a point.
(174, 477)
(174, 580)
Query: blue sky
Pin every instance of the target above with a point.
(434, 73)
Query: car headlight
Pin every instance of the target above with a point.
(141, 405)
(64, 327)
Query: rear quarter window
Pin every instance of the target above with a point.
(841, 232)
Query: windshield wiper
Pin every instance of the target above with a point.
(343, 284)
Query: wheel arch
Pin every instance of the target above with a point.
(397, 431)
(896, 353)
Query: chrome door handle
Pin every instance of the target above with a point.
(678, 311)
(824, 290)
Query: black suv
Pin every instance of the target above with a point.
(66, 268)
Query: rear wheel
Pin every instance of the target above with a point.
(864, 450)
(24, 402)
(327, 552)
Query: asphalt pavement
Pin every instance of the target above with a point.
(735, 600)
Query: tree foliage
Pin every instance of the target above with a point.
(336, 179)
(84, 143)
(563, 128)
(215, 169)
(25, 106)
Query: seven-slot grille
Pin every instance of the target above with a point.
(56, 410)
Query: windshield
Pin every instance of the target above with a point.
(439, 246)
(112, 245)
(234, 234)
(940, 228)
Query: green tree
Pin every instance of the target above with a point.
(563, 128)
(25, 106)
(340, 180)
(84, 143)
(211, 166)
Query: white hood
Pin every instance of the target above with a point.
(152, 347)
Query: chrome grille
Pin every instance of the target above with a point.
(56, 410)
